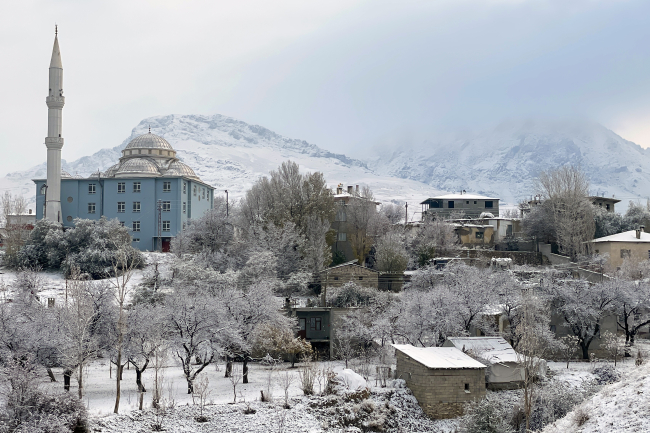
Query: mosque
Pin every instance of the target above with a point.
(149, 190)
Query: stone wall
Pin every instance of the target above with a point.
(518, 257)
(441, 393)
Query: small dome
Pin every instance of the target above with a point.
(149, 141)
(65, 175)
(110, 172)
(137, 167)
(177, 168)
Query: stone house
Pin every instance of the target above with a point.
(474, 234)
(337, 276)
(472, 205)
(633, 245)
(442, 379)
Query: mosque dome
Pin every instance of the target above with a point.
(137, 167)
(149, 144)
(177, 168)
(65, 175)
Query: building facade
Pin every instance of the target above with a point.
(149, 190)
(471, 205)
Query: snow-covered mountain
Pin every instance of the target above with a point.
(231, 154)
(504, 161)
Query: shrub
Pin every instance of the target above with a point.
(580, 417)
(606, 375)
(486, 416)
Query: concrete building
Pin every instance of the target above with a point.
(605, 202)
(472, 205)
(442, 379)
(149, 190)
(344, 230)
(318, 326)
(633, 245)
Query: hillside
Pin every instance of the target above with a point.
(504, 161)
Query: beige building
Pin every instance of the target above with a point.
(442, 379)
(633, 245)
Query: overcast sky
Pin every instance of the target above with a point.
(339, 74)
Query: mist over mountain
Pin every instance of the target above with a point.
(505, 160)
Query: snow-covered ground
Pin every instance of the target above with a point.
(619, 407)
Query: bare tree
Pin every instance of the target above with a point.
(391, 254)
(566, 189)
(285, 379)
(235, 378)
(360, 212)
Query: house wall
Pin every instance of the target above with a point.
(468, 235)
(639, 251)
(440, 392)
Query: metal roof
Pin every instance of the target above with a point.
(177, 168)
(493, 349)
(439, 357)
(138, 166)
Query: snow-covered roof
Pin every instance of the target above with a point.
(439, 357)
(350, 263)
(462, 197)
(493, 349)
(629, 236)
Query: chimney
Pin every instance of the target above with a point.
(350, 189)
(339, 189)
(638, 233)
(30, 211)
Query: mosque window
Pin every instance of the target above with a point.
(121, 206)
(91, 207)
(194, 190)
(121, 223)
(167, 186)
(136, 239)
(184, 187)
(136, 186)
(121, 187)
(136, 206)
(43, 189)
(92, 188)
(166, 226)
(136, 226)
(149, 151)
(160, 152)
(184, 225)
(166, 206)
(184, 207)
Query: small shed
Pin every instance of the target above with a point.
(504, 371)
(442, 379)
(337, 276)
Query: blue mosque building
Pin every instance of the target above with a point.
(149, 190)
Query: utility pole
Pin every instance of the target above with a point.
(226, 203)
(159, 207)
(406, 217)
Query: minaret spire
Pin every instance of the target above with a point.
(54, 139)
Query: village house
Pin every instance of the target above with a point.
(471, 205)
(317, 325)
(442, 379)
(504, 370)
(632, 245)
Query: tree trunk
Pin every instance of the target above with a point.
(245, 370)
(585, 350)
(67, 374)
(138, 380)
(118, 382)
(51, 374)
(80, 380)
(190, 385)
(228, 367)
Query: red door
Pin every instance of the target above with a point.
(165, 245)
(302, 331)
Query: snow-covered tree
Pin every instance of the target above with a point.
(433, 238)
(391, 255)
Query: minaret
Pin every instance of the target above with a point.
(54, 140)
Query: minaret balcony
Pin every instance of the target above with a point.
(54, 142)
(55, 101)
